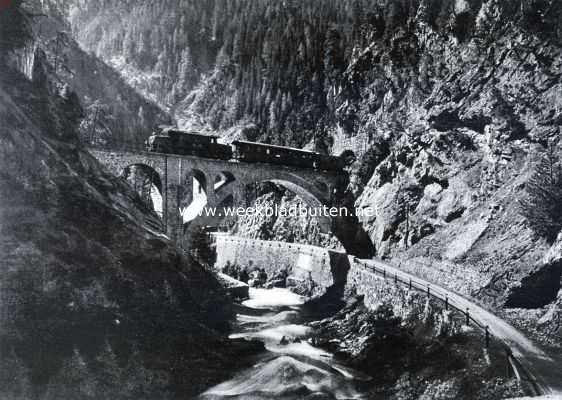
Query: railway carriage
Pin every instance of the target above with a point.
(174, 141)
(252, 152)
(258, 152)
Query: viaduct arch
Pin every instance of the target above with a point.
(224, 183)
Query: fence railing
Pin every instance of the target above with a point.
(518, 369)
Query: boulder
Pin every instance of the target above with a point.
(388, 208)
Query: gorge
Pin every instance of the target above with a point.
(453, 110)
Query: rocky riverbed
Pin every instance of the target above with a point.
(425, 355)
(362, 353)
(291, 367)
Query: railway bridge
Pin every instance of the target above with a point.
(224, 183)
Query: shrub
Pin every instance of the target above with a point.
(542, 206)
(371, 159)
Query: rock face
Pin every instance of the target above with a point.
(551, 321)
(404, 353)
(95, 303)
(292, 229)
(463, 132)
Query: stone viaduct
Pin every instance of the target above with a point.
(224, 184)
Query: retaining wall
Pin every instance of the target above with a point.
(303, 262)
(374, 288)
(325, 267)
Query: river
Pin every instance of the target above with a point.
(295, 370)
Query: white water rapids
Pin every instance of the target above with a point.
(295, 370)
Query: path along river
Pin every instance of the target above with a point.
(295, 370)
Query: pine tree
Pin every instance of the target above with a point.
(15, 30)
(333, 56)
(543, 205)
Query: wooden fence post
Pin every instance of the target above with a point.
(507, 363)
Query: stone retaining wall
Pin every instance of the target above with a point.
(378, 290)
(323, 266)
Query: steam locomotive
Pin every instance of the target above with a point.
(174, 141)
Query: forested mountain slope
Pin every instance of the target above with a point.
(277, 64)
(115, 113)
(449, 103)
(94, 301)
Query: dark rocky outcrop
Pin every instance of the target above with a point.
(538, 289)
(550, 322)
(416, 356)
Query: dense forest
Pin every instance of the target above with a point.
(277, 65)
(291, 71)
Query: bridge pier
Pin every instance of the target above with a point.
(173, 221)
(210, 192)
(187, 195)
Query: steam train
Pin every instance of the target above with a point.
(174, 141)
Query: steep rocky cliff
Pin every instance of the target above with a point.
(466, 123)
(286, 228)
(94, 302)
(463, 116)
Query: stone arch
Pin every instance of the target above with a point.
(347, 229)
(148, 170)
(200, 177)
(144, 181)
(222, 180)
(314, 196)
(311, 200)
(315, 191)
(194, 194)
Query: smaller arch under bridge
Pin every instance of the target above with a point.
(224, 184)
